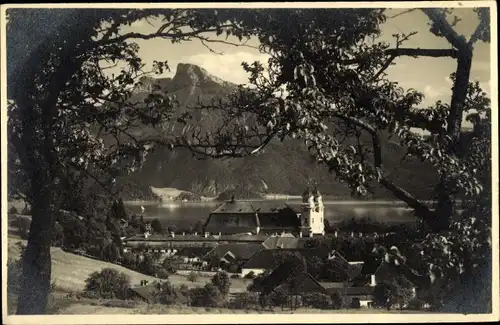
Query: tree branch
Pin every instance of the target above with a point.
(445, 28)
(423, 52)
(421, 209)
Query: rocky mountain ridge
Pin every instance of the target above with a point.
(285, 167)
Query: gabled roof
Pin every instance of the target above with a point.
(344, 268)
(243, 237)
(265, 259)
(241, 251)
(352, 291)
(147, 292)
(329, 285)
(177, 237)
(284, 242)
(279, 278)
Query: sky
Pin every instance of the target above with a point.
(429, 75)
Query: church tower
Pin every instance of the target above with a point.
(311, 220)
(318, 219)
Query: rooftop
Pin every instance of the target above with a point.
(284, 242)
(147, 292)
(240, 251)
(265, 259)
(199, 237)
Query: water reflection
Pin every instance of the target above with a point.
(188, 213)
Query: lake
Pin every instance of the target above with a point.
(184, 214)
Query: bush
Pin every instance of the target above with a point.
(235, 276)
(245, 300)
(317, 300)
(250, 275)
(278, 298)
(163, 274)
(14, 271)
(168, 294)
(120, 304)
(168, 265)
(188, 197)
(156, 226)
(192, 276)
(58, 235)
(222, 282)
(13, 210)
(337, 301)
(108, 284)
(147, 266)
(416, 304)
(208, 296)
(355, 303)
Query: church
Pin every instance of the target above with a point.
(267, 218)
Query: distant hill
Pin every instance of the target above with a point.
(284, 167)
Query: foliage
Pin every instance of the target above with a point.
(186, 196)
(250, 275)
(156, 226)
(278, 298)
(118, 210)
(168, 294)
(416, 304)
(317, 300)
(337, 301)
(192, 276)
(222, 282)
(256, 283)
(108, 284)
(398, 291)
(168, 265)
(70, 122)
(63, 106)
(315, 266)
(245, 300)
(14, 270)
(355, 303)
(111, 253)
(208, 296)
(58, 235)
(130, 260)
(147, 265)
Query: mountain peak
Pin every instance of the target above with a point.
(193, 75)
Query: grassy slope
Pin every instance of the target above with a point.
(69, 271)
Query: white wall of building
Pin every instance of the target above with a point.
(244, 272)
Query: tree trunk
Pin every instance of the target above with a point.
(35, 278)
(444, 208)
(462, 77)
(445, 201)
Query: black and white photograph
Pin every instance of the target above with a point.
(249, 162)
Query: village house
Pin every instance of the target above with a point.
(232, 255)
(145, 292)
(304, 282)
(266, 259)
